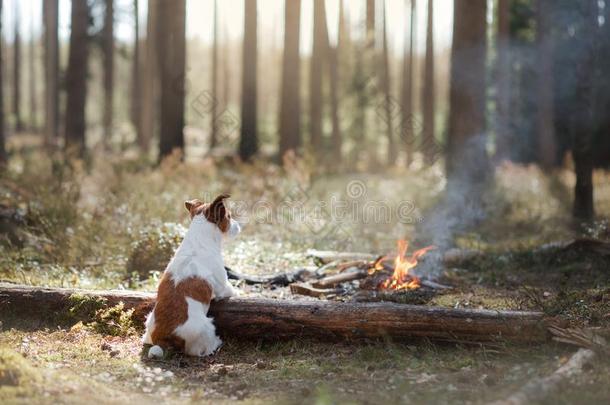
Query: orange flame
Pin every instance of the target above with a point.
(401, 279)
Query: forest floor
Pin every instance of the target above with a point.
(113, 223)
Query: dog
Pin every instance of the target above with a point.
(195, 275)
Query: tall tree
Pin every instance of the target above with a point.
(334, 59)
(503, 44)
(136, 105)
(17, 69)
(545, 119)
(408, 129)
(466, 147)
(108, 51)
(51, 64)
(582, 119)
(76, 79)
(429, 141)
(290, 105)
(172, 60)
(33, 79)
(150, 79)
(213, 109)
(248, 141)
(318, 54)
(3, 156)
(387, 96)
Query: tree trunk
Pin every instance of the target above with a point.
(546, 134)
(3, 157)
(214, 105)
(76, 80)
(17, 69)
(250, 318)
(33, 79)
(290, 106)
(387, 96)
(335, 61)
(248, 142)
(407, 123)
(51, 64)
(429, 141)
(136, 104)
(172, 61)
(108, 51)
(582, 123)
(503, 45)
(315, 80)
(466, 147)
(151, 73)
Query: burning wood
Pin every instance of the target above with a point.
(401, 278)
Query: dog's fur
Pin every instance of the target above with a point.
(193, 277)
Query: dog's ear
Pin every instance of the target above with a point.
(218, 212)
(191, 205)
(219, 203)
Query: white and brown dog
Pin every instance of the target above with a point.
(193, 277)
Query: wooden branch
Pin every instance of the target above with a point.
(336, 279)
(540, 388)
(275, 319)
(304, 289)
(327, 256)
(282, 279)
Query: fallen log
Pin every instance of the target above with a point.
(275, 319)
(538, 389)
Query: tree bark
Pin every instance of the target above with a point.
(248, 142)
(51, 64)
(108, 52)
(503, 44)
(172, 61)
(214, 79)
(3, 157)
(429, 141)
(290, 106)
(17, 70)
(546, 120)
(76, 80)
(315, 81)
(407, 123)
(277, 319)
(151, 73)
(467, 156)
(33, 79)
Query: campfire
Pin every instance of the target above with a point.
(401, 278)
(362, 277)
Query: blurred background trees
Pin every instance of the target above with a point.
(351, 85)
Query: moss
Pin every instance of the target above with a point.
(114, 321)
(84, 307)
(17, 377)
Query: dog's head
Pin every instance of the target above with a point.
(215, 212)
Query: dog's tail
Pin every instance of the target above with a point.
(155, 352)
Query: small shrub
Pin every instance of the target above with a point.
(85, 307)
(154, 249)
(114, 321)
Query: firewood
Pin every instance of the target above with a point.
(281, 279)
(336, 279)
(304, 289)
(538, 389)
(280, 319)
